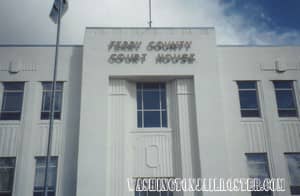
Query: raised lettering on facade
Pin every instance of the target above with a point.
(175, 52)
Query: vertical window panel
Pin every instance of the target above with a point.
(258, 168)
(293, 161)
(40, 176)
(151, 105)
(7, 170)
(46, 100)
(285, 99)
(249, 102)
(12, 101)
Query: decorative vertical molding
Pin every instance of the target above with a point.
(26, 141)
(116, 137)
(186, 130)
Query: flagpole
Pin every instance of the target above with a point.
(52, 101)
(150, 20)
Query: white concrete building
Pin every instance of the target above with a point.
(139, 103)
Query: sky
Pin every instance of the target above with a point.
(237, 22)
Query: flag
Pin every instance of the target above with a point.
(55, 10)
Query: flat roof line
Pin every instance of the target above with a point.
(40, 45)
(148, 28)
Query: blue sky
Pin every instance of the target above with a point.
(255, 22)
(282, 17)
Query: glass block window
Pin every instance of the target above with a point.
(151, 105)
(7, 170)
(293, 160)
(248, 95)
(45, 113)
(40, 176)
(258, 168)
(285, 98)
(12, 101)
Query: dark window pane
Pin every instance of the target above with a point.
(140, 193)
(5, 194)
(139, 86)
(10, 116)
(283, 84)
(140, 119)
(13, 86)
(162, 86)
(293, 161)
(287, 113)
(58, 101)
(248, 99)
(151, 119)
(285, 99)
(258, 166)
(59, 85)
(165, 193)
(257, 157)
(151, 100)
(46, 115)
(48, 86)
(139, 99)
(151, 86)
(40, 174)
(261, 193)
(152, 193)
(6, 179)
(6, 174)
(12, 101)
(41, 193)
(164, 119)
(163, 100)
(250, 113)
(295, 190)
(46, 101)
(57, 115)
(7, 162)
(246, 84)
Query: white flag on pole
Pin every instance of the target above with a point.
(55, 10)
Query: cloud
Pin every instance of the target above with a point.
(27, 22)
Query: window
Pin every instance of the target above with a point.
(293, 160)
(45, 113)
(285, 98)
(248, 98)
(7, 170)
(154, 184)
(40, 175)
(258, 168)
(12, 101)
(151, 105)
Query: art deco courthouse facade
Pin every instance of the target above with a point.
(137, 102)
